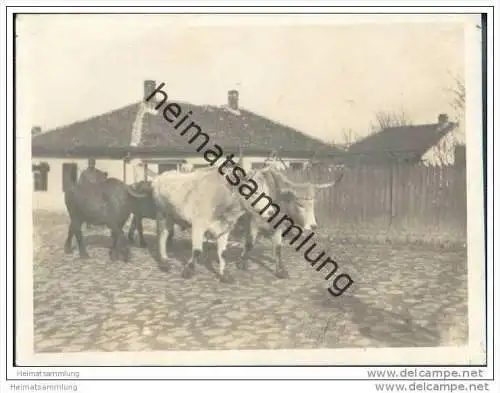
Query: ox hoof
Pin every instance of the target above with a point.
(124, 259)
(188, 271)
(84, 255)
(165, 265)
(143, 245)
(243, 265)
(226, 278)
(68, 249)
(112, 255)
(282, 273)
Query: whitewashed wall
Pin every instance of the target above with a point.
(53, 198)
(199, 160)
(443, 153)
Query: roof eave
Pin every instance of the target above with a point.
(124, 151)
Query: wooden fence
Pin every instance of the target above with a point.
(408, 202)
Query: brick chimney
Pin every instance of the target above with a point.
(149, 87)
(36, 130)
(232, 99)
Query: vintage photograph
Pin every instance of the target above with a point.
(237, 182)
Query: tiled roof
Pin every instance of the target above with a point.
(407, 141)
(110, 132)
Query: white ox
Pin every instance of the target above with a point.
(296, 203)
(204, 201)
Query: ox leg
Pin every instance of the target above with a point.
(76, 228)
(68, 246)
(133, 226)
(142, 242)
(281, 271)
(161, 236)
(170, 237)
(221, 247)
(120, 247)
(250, 239)
(113, 255)
(197, 236)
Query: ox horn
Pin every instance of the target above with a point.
(303, 185)
(132, 191)
(326, 185)
(266, 168)
(286, 179)
(292, 183)
(151, 173)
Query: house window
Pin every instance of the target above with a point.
(167, 167)
(69, 175)
(296, 166)
(40, 176)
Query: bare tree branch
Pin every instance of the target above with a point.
(444, 152)
(457, 92)
(385, 120)
(349, 137)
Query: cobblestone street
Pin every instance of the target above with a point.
(403, 296)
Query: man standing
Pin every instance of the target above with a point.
(92, 174)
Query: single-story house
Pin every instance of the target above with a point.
(430, 144)
(59, 155)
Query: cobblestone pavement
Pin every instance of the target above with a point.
(402, 297)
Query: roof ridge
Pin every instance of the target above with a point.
(250, 129)
(113, 111)
(302, 134)
(402, 139)
(410, 126)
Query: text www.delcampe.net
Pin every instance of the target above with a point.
(426, 386)
(415, 373)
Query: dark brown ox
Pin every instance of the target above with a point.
(105, 202)
(92, 175)
(145, 208)
(281, 207)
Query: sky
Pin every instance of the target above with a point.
(317, 75)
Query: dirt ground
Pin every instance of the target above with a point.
(403, 296)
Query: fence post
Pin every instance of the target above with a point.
(125, 171)
(391, 193)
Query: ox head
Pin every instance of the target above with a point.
(299, 199)
(100, 175)
(186, 167)
(141, 189)
(298, 208)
